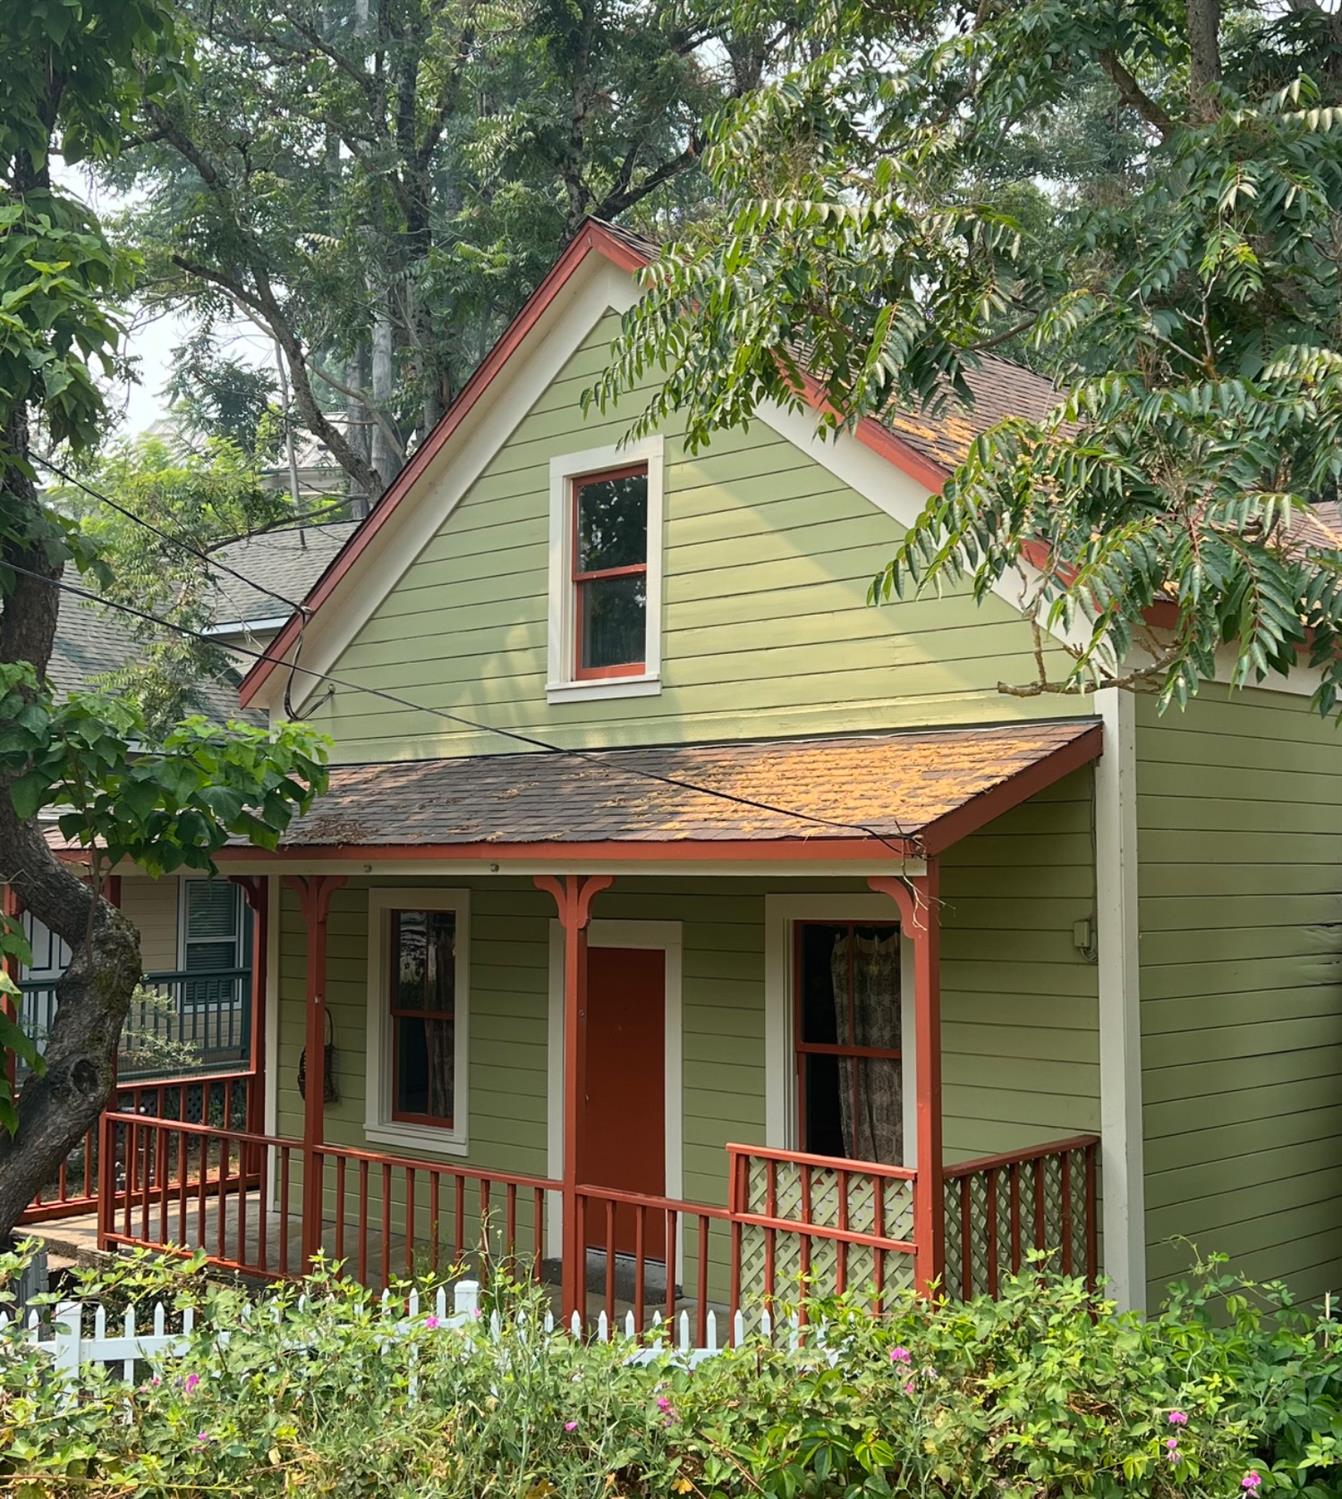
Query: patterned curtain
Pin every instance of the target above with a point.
(871, 1089)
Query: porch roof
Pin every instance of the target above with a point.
(913, 792)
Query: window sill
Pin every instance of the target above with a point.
(581, 692)
(420, 1137)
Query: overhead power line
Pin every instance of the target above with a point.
(461, 720)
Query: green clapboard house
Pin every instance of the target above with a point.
(677, 924)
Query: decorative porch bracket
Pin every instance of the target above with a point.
(573, 895)
(314, 899)
(256, 892)
(918, 899)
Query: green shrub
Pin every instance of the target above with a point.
(1040, 1393)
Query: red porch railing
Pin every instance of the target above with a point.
(795, 1227)
(224, 1097)
(1000, 1207)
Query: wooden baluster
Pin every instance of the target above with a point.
(990, 1197)
(340, 1210)
(701, 1289)
(221, 1200)
(62, 1191)
(484, 1220)
(610, 1261)
(459, 1207)
(284, 1210)
(770, 1211)
(736, 1278)
(670, 1269)
(147, 1150)
(385, 1257)
(580, 1212)
(640, 1268)
(1092, 1236)
(804, 1245)
(840, 1247)
(262, 1227)
(1065, 1199)
(132, 1170)
(183, 1163)
(1013, 1188)
(538, 1234)
(201, 1240)
(510, 1222)
(409, 1222)
(966, 1239)
(878, 1265)
(434, 1216)
(363, 1222)
(242, 1206)
(161, 1182)
(1040, 1225)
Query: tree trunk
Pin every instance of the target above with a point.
(94, 994)
(1204, 54)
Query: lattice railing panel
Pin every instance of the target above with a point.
(1001, 1208)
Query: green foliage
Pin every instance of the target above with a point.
(902, 203)
(1035, 1394)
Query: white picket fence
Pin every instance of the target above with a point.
(63, 1336)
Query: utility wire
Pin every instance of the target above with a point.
(177, 541)
(515, 735)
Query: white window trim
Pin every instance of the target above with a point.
(378, 1125)
(561, 684)
(781, 914)
(240, 940)
(662, 936)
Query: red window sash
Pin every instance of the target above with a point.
(578, 576)
(803, 1048)
(403, 1012)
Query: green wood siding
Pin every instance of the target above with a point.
(1239, 811)
(766, 629)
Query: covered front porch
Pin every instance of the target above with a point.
(667, 1072)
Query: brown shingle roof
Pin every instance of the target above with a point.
(923, 788)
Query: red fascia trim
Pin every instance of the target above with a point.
(717, 850)
(591, 237)
(982, 809)
(882, 441)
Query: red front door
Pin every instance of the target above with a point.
(622, 1143)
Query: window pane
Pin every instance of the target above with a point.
(612, 522)
(853, 1107)
(425, 1074)
(613, 613)
(211, 908)
(424, 971)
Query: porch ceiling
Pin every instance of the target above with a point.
(914, 793)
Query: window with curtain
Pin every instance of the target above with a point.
(422, 991)
(850, 1083)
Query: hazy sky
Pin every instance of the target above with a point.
(151, 342)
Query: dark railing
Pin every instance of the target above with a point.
(179, 1023)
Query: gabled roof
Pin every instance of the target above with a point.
(911, 792)
(926, 449)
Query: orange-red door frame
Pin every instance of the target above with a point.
(256, 892)
(573, 895)
(919, 902)
(314, 899)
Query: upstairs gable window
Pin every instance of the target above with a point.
(610, 573)
(605, 573)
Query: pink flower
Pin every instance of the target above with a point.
(570, 1426)
(431, 1321)
(202, 1437)
(1251, 1482)
(1172, 1449)
(190, 1382)
(900, 1355)
(1178, 1418)
(663, 1404)
(908, 1388)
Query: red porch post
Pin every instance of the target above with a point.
(919, 902)
(256, 891)
(573, 897)
(314, 898)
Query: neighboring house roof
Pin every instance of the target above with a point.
(924, 448)
(92, 641)
(285, 563)
(919, 791)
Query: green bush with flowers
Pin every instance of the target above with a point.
(1227, 1391)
